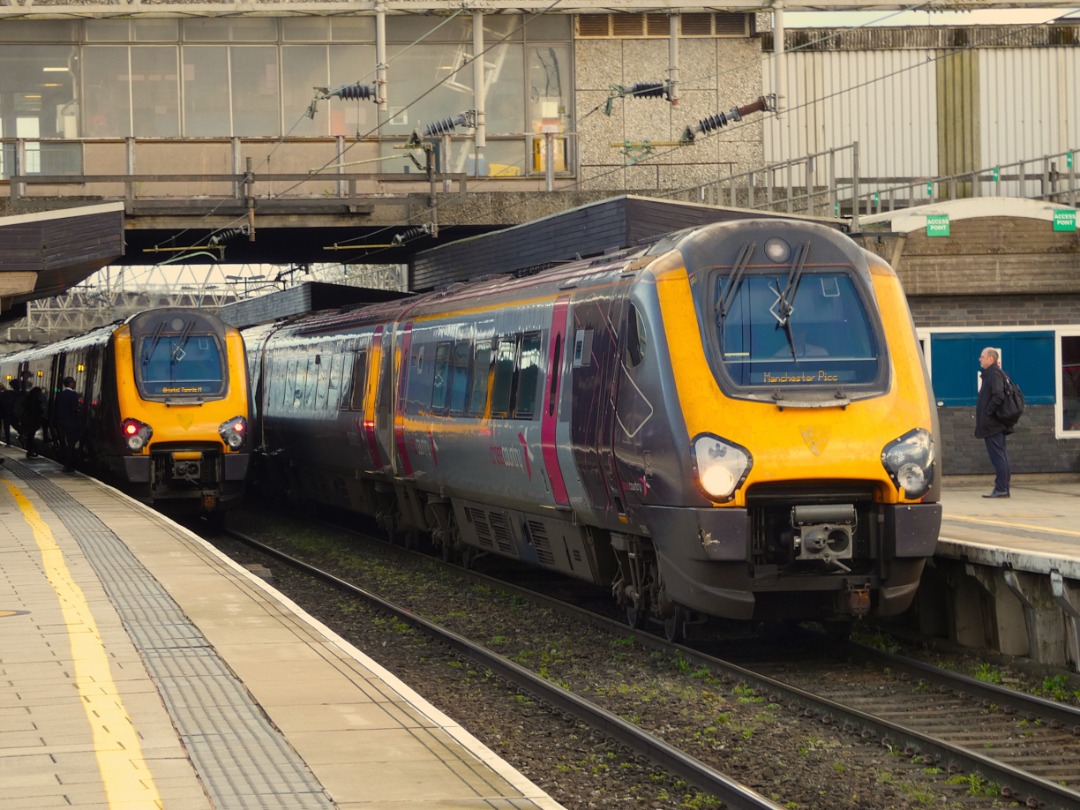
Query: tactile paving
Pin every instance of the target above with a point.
(242, 760)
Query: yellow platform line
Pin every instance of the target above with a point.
(125, 776)
(1010, 525)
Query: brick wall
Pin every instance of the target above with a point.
(1033, 447)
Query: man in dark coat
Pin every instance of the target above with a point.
(68, 423)
(31, 418)
(7, 409)
(987, 426)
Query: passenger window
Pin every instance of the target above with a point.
(322, 392)
(554, 372)
(311, 384)
(459, 376)
(481, 374)
(503, 385)
(635, 337)
(439, 386)
(359, 377)
(528, 374)
(583, 348)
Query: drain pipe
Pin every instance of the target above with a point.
(380, 63)
(674, 22)
(779, 61)
(480, 96)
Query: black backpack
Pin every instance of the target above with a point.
(1012, 407)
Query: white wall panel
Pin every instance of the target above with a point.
(1030, 103)
(886, 99)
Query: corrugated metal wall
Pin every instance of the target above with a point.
(927, 112)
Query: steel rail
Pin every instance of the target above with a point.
(1029, 787)
(693, 771)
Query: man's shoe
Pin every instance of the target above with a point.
(997, 495)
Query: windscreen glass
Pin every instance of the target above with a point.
(774, 333)
(177, 359)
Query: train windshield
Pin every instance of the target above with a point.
(179, 359)
(781, 331)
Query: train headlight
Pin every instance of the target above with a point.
(136, 434)
(233, 432)
(721, 466)
(909, 461)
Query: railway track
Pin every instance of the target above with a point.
(731, 792)
(1022, 749)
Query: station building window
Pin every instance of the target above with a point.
(255, 77)
(1069, 383)
(1044, 363)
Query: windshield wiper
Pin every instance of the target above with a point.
(147, 355)
(784, 306)
(725, 298)
(178, 347)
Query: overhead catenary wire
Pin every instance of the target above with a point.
(295, 124)
(945, 54)
(581, 183)
(337, 159)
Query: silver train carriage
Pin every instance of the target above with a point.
(734, 421)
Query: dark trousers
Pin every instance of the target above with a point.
(999, 457)
(69, 440)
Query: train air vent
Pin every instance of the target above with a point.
(483, 530)
(541, 542)
(504, 536)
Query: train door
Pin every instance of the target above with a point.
(403, 360)
(53, 381)
(594, 376)
(378, 401)
(373, 365)
(634, 408)
(550, 406)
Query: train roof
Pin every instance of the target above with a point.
(589, 230)
(305, 298)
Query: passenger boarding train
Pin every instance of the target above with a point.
(732, 421)
(165, 405)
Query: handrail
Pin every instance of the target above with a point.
(243, 185)
(801, 191)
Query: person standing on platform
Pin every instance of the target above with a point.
(7, 409)
(68, 423)
(31, 418)
(987, 426)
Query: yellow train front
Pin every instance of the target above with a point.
(165, 405)
(787, 361)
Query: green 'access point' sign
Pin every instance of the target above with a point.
(1065, 220)
(937, 224)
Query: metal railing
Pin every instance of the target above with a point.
(829, 183)
(812, 185)
(1052, 178)
(130, 168)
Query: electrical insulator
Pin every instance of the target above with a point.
(444, 126)
(347, 92)
(714, 122)
(225, 234)
(648, 90)
(411, 233)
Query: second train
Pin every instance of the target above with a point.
(164, 405)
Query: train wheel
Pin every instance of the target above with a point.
(675, 625)
(636, 614)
